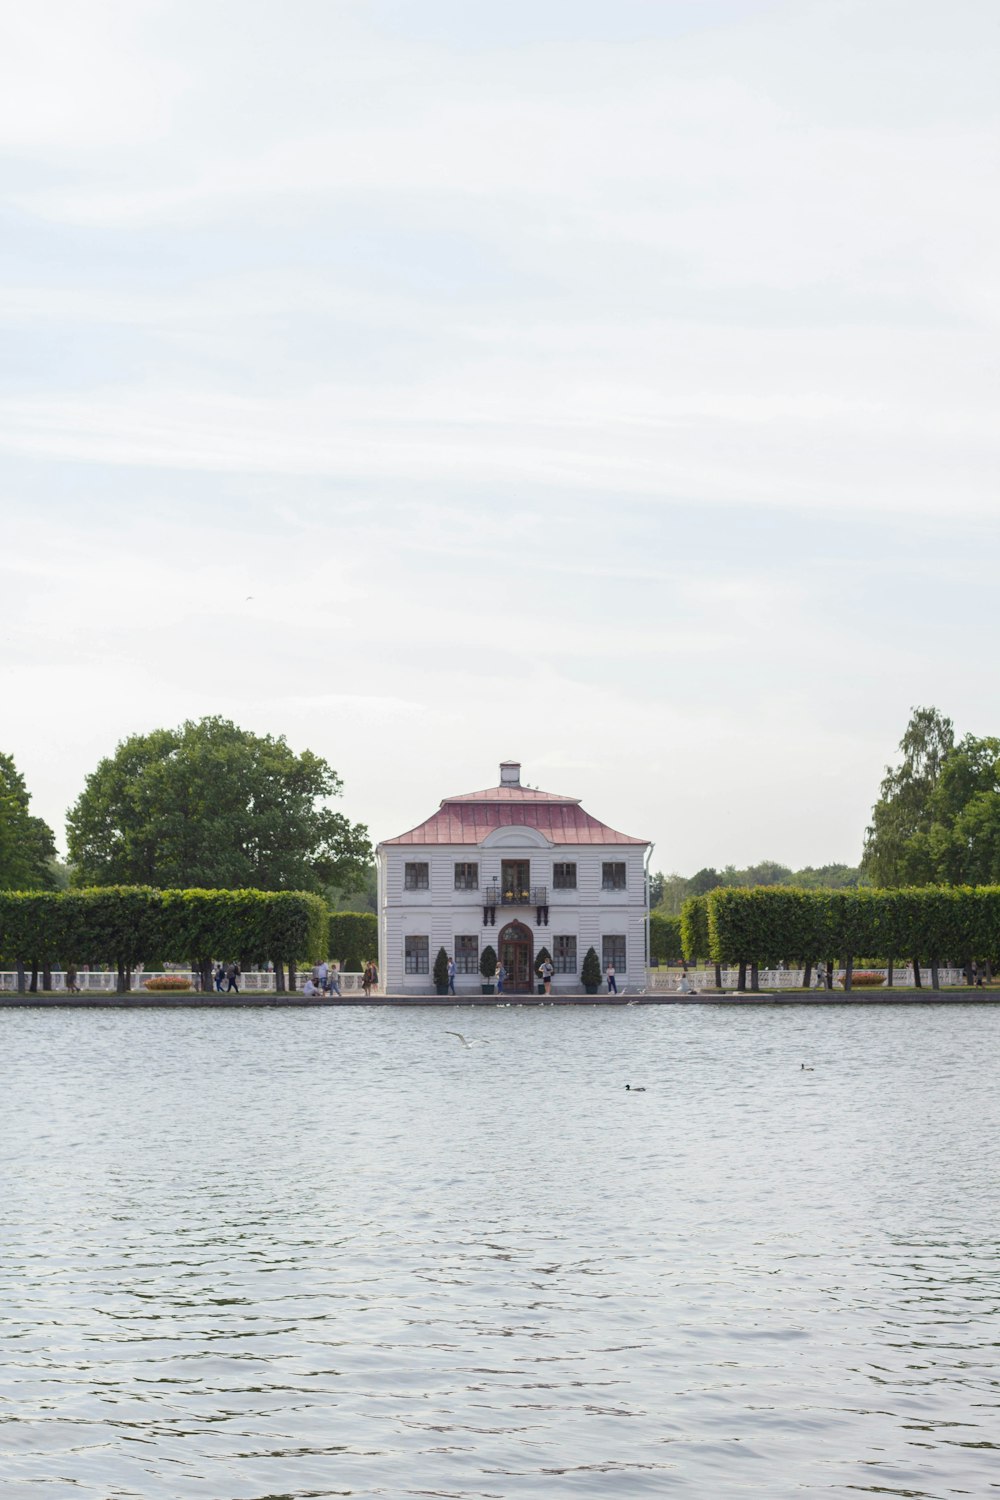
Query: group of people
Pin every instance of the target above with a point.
(325, 980)
(228, 975)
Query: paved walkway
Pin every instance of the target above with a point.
(162, 1001)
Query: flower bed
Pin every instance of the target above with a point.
(865, 979)
(175, 982)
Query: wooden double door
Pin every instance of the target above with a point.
(517, 951)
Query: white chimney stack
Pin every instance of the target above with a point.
(510, 773)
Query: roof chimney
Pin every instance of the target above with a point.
(510, 773)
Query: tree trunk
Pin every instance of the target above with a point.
(21, 979)
(120, 986)
(755, 978)
(807, 974)
(33, 986)
(916, 974)
(888, 974)
(292, 976)
(205, 976)
(967, 966)
(47, 977)
(848, 972)
(829, 973)
(718, 976)
(988, 968)
(935, 982)
(741, 978)
(279, 979)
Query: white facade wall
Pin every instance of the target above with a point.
(441, 913)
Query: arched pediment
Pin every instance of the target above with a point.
(515, 836)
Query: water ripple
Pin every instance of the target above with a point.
(257, 1255)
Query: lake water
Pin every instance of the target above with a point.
(335, 1253)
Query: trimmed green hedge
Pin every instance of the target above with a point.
(122, 926)
(353, 939)
(768, 925)
(664, 937)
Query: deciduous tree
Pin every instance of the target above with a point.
(27, 847)
(215, 806)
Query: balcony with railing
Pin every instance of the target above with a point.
(496, 895)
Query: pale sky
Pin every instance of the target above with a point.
(605, 384)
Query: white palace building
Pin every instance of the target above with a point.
(516, 869)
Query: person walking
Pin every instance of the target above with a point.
(451, 976)
(333, 981)
(609, 975)
(366, 982)
(547, 970)
(319, 975)
(220, 975)
(232, 975)
(501, 976)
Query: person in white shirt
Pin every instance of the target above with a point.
(309, 989)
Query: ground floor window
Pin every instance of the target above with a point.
(467, 955)
(417, 955)
(613, 952)
(564, 955)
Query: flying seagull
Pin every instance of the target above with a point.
(480, 1040)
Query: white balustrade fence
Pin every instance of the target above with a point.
(666, 980)
(104, 981)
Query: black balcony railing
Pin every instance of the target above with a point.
(525, 895)
(535, 895)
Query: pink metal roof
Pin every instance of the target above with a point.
(467, 819)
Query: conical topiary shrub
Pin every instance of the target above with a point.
(590, 974)
(488, 968)
(441, 972)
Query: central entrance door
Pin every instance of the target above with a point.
(516, 953)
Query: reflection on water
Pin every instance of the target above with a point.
(260, 1254)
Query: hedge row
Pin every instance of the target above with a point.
(664, 937)
(121, 926)
(768, 925)
(353, 938)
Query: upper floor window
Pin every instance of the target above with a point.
(613, 876)
(564, 877)
(466, 877)
(416, 878)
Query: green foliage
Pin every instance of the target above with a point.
(27, 847)
(488, 963)
(897, 842)
(124, 925)
(676, 889)
(213, 805)
(353, 939)
(440, 970)
(772, 925)
(694, 928)
(590, 973)
(665, 942)
(361, 895)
